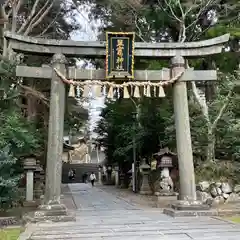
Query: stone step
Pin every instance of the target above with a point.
(134, 232)
(79, 226)
(131, 235)
(152, 238)
(123, 221)
(95, 236)
(131, 222)
(160, 237)
(122, 228)
(133, 219)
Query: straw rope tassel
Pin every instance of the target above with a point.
(118, 91)
(148, 91)
(71, 92)
(161, 92)
(144, 90)
(110, 92)
(136, 93)
(98, 90)
(125, 92)
(85, 91)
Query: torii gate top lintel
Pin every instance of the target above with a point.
(95, 49)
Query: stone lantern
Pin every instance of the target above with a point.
(121, 180)
(166, 162)
(145, 170)
(38, 191)
(109, 173)
(130, 185)
(42, 185)
(29, 166)
(116, 170)
(100, 168)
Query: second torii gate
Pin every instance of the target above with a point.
(176, 52)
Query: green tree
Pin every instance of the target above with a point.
(24, 103)
(38, 18)
(9, 179)
(123, 127)
(18, 138)
(177, 21)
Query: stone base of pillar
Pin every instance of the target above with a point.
(165, 193)
(189, 209)
(190, 205)
(142, 192)
(159, 200)
(53, 212)
(30, 204)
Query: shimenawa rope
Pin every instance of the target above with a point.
(136, 85)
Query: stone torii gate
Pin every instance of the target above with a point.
(60, 49)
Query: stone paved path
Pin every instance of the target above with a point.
(138, 199)
(104, 216)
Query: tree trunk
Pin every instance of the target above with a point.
(210, 151)
(210, 88)
(31, 102)
(31, 108)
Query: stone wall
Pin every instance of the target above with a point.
(214, 193)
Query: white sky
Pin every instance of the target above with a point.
(87, 33)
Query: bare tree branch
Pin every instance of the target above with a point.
(6, 3)
(171, 9)
(30, 16)
(3, 12)
(190, 8)
(201, 32)
(19, 5)
(223, 108)
(14, 10)
(87, 20)
(32, 25)
(182, 33)
(139, 30)
(35, 93)
(181, 9)
(201, 10)
(49, 25)
(9, 12)
(201, 103)
(165, 11)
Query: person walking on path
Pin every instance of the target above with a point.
(71, 174)
(92, 178)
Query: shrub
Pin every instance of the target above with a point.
(9, 179)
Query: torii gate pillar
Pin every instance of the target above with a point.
(183, 135)
(55, 134)
(53, 209)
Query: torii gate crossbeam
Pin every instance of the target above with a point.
(97, 49)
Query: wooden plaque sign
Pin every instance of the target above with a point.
(120, 55)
